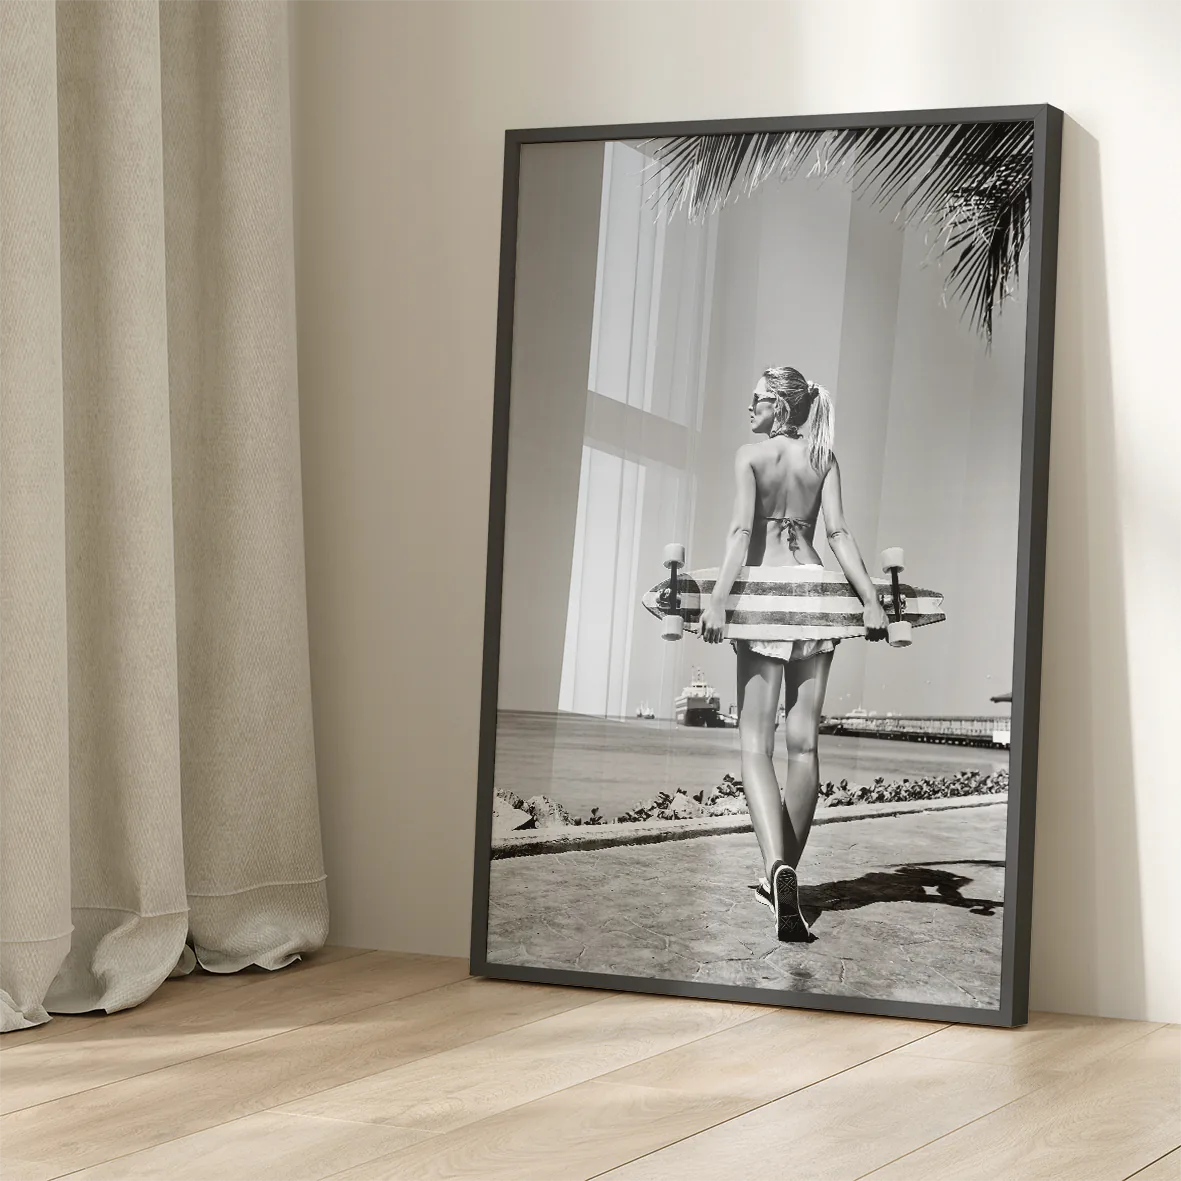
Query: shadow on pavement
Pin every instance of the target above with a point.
(907, 883)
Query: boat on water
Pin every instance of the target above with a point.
(699, 703)
(644, 710)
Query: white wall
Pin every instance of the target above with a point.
(400, 121)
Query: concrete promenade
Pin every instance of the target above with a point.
(905, 906)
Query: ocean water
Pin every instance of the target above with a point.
(614, 764)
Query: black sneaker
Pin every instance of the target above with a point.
(762, 894)
(785, 888)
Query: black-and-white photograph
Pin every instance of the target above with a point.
(759, 581)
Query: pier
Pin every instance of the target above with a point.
(978, 731)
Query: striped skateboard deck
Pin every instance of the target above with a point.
(790, 603)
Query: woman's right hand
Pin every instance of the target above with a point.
(713, 619)
(875, 621)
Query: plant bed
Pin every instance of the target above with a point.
(514, 814)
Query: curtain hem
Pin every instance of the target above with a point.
(13, 1017)
(269, 931)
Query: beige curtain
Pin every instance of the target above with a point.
(156, 756)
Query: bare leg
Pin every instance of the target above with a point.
(805, 682)
(759, 683)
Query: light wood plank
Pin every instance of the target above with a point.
(568, 1136)
(264, 1147)
(571, 1088)
(13, 1169)
(179, 990)
(151, 1038)
(91, 1127)
(1117, 1115)
(482, 1078)
(776, 1054)
(60, 1023)
(842, 1127)
(1051, 1041)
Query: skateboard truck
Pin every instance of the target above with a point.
(898, 630)
(674, 621)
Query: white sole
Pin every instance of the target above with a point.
(792, 927)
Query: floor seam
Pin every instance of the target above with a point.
(757, 1016)
(335, 1119)
(949, 1132)
(758, 1106)
(985, 1115)
(1160, 1158)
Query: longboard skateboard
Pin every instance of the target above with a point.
(789, 602)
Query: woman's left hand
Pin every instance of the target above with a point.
(876, 620)
(713, 618)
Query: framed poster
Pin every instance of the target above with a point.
(765, 562)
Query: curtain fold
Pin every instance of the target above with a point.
(158, 762)
(34, 736)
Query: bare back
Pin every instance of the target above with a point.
(787, 503)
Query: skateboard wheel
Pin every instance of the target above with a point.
(892, 560)
(898, 634)
(674, 553)
(674, 627)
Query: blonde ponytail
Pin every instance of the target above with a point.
(798, 402)
(820, 445)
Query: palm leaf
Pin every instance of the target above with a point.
(969, 182)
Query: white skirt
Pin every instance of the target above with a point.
(786, 650)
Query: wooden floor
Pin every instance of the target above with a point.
(374, 1065)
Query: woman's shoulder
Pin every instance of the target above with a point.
(772, 448)
(755, 455)
(761, 447)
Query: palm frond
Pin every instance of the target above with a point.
(970, 183)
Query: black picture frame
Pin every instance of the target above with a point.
(1034, 461)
